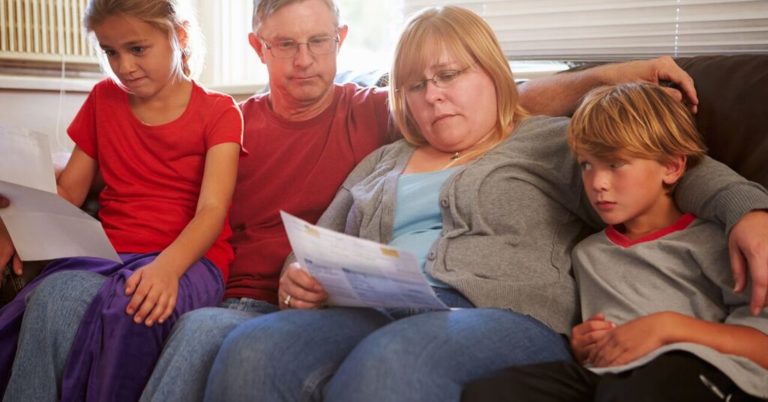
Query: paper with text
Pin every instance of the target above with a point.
(357, 272)
(42, 225)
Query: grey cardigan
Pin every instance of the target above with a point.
(511, 218)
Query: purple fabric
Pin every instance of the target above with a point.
(112, 357)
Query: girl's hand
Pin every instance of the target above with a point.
(584, 336)
(630, 341)
(154, 291)
(298, 289)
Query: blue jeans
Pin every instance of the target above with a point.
(356, 354)
(180, 374)
(76, 341)
(53, 314)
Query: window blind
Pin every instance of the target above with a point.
(592, 30)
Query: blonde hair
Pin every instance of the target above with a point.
(638, 120)
(466, 36)
(165, 15)
(262, 9)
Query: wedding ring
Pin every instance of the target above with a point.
(287, 300)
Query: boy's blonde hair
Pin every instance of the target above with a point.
(165, 15)
(638, 120)
(466, 36)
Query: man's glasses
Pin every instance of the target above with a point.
(287, 49)
(441, 79)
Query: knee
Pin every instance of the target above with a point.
(208, 324)
(63, 290)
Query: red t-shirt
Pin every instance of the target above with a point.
(296, 167)
(153, 173)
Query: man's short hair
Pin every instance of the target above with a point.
(262, 9)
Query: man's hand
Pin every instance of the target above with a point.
(658, 70)
(298, 289)
(748, 247)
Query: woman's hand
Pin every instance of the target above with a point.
(584, 336)
(654, 71)
(298, 289)
(154, 291)
(748, 247)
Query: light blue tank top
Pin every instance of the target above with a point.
(418, 222)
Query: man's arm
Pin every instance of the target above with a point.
(559, 94)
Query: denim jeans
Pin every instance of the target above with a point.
(181, 373)
(53, 314)
(88, 347)
(358, 354)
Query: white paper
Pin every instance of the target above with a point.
(357, 272)
(42, 225)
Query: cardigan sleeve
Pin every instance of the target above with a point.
(714, 192)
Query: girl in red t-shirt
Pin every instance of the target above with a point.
(167, 150)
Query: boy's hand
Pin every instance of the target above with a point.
(154, 291)
(584, 336)
(629, 341)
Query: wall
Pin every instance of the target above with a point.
(38, 110)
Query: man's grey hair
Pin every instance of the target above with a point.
(262, 9)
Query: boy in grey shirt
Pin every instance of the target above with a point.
(662, 322)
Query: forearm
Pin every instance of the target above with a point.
(195, 240)
(558, 94)
(725, 338)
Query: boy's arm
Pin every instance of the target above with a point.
(585, 336)
(643, 335)
(155, 286)
(560, 94)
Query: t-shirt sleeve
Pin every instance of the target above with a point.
(82, 130)
(226, 123)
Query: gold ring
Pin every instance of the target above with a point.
(287, 300)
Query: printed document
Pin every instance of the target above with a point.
(358, 272)
(42, 225)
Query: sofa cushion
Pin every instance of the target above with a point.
(733, 110)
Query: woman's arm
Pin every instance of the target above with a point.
(155, 286)
(713, 191)
(560, 94)
(304, 290)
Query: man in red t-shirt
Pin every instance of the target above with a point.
(303, 138)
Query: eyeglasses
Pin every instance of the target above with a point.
(441, 79)
(287, 49)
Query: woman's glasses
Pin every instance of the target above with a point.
(441, 79)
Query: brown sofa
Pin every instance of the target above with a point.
(733, 110)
